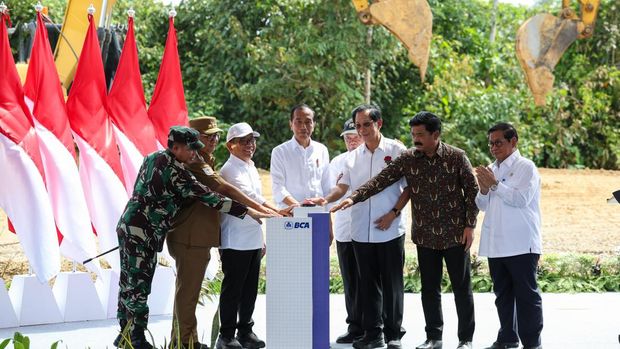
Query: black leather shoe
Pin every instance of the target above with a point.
(394, 344)
(431, 344)
(504, 345)
(227, 343)
(250, 341)
(464, 345)
(369, 343)
(349, 338)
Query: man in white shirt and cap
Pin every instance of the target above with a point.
(241, 246)
(344, 245)
(511, 238)
(298, 165)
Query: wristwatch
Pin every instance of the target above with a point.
(494, 186)
(396, 211)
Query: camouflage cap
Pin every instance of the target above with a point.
(205, 124)
(185, 135)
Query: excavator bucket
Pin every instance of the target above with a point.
(411, 21)
(541, 41)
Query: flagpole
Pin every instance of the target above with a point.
(99, 255)
(104, 7)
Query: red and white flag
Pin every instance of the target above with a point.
(134, 131)
(100, 168)
(23, 195)
(168, 106)
(46, 102)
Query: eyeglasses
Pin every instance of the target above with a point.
(367, 124)
(246, 141)
(212, 137)
(498, 143)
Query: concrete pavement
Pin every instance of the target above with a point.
(571, 321)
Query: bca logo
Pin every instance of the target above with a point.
(296, 225)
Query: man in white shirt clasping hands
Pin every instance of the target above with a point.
(511, 238)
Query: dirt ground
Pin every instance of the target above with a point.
(576, 217)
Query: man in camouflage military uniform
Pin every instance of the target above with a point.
(162, 188)
(194, 231)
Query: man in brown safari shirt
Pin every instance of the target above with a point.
(443, 191)
(195, 230)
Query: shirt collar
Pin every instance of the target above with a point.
(507, 163)
(208, 158)
(169, 153)
(381, 144)
(296, 144)
(238, 162)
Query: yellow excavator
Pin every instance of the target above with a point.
(411, 21)
(542, 39)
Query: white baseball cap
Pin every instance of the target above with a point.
(241, 129)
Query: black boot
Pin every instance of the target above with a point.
(119, 339)
(138, 340)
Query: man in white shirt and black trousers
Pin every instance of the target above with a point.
(377, 232)
(242, 245)
(511, 238)
(298, 165)
(344, 245)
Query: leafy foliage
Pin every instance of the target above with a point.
(557, 273)
(251, 61)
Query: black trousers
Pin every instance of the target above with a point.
(518, 301)
(380, 267)
(459, 271)
(351, 285)
(239, 289)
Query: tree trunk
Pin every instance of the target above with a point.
(368, 75)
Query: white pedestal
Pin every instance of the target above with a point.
(107, 289)
(298, 282)
(161, 299)
(77, 297)
(34, 302)
(8, 318)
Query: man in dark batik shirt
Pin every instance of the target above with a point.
(162, 188)
(443, 189)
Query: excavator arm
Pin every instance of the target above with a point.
(74, 26)
(411, 21)
(542, 39)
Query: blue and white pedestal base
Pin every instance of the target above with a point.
(298, 282)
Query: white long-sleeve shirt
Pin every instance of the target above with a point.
(512, 219)
(246, 233)
(361, 166)
(342, 218)
(298, 171)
